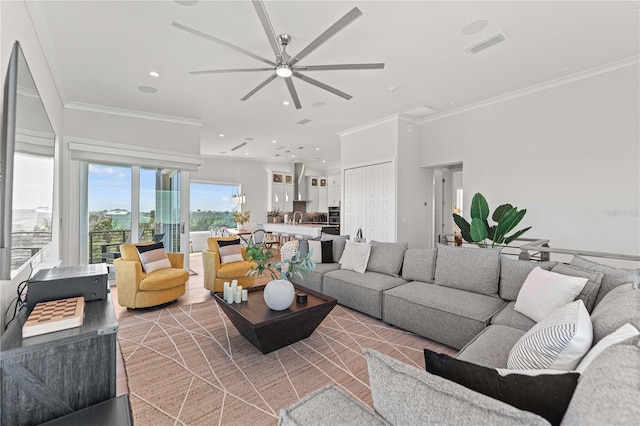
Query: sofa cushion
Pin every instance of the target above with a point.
(313, 279)
(321, 251)
(608, 390)
(362, 292)
(510, 317)
(545, 394)
(419, 264)
(153, 257)
(339, 243)
(448, 315)
(620, 306)
(355, 256)
(514, 272)
(386, 258)
(406, 395)
(590, 291)
(559, 341)
(491, 347)
(233, 270)
(470, 269)
(625, 332)
(329, 406)
(613, 277)
(543, 292)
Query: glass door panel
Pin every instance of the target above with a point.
(160, 217)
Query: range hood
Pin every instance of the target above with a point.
(299, 183)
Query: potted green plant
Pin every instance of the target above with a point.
(272, 215)
(479, 231)
(279, 292)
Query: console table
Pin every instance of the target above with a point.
(55, 374)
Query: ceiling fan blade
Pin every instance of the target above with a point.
(292, 91)
(268, 28)
(340, 67)
(224, 43)
(322, 85)
(330, 32)
(229, 70)
(260, 86)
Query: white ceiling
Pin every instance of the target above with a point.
(100, 52)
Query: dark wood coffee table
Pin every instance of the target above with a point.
(269, 330)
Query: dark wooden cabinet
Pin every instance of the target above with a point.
(55, 374)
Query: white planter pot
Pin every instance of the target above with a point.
(279, 294)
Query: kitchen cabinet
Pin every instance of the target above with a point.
(333, 191)
(323, 195)
(317, 193)
(281, 196)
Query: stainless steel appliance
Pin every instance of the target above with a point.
(334, 215)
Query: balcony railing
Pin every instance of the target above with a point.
(25, 245)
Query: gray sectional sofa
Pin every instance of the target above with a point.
(464, 298)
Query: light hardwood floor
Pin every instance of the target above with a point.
(195, 293)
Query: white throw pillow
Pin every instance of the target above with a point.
(315, 247)
(625, 332)
(544, 291)
(355, 256)
(557, 342)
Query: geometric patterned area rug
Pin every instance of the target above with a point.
(189, 365)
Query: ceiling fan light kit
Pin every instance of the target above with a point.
(285, 65)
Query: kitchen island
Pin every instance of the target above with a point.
(311, 230)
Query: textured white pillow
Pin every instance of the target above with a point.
(620, 335)
(558, 342)
(355, 256)
(543, 292)
(316, 248)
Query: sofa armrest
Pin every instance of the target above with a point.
(329, 406)
(176, 259)
(128, 276)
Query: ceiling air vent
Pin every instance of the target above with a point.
(486, 43)
(304, 121)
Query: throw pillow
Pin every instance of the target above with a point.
(322, 251)
(625, 332)
(620, 306)
(559, 341)
(470, 269)
(339, 243)
(355, 256)
(514, 272)
(230, 251)
(153, 257)
(521, 389)
(406, 395)
(386, 258)
(419, 265)
(545, 291)
(590, 291)
(613, 277)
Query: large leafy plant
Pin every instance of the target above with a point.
(262, 261)
(505, 216)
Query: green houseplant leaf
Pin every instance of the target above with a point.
(479, 207)
(465, 227)
(478, 230)
(500, 211)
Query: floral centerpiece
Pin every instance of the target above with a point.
(242, 218)
(279, 292)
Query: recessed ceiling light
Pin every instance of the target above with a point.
(293, 155)
(147, 89)
(274, 141)
(154, 74)
(323, 161)
(285, 103)
(317, 149)
(475, 27)
(221, 135)
(246, 153)
(391, 89)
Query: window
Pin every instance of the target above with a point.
(211, 205)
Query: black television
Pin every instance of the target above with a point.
(26, 169)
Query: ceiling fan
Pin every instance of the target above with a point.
(285, 66)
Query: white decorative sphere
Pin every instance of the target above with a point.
(279, 294)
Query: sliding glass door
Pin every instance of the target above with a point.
(116, 194)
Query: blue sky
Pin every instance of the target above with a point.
(110, 188)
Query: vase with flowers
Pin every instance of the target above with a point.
(241, 218)
(279, 292)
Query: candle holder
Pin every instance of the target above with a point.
(301, 297)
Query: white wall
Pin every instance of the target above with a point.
(570, 154)
(15, 24)
(369, 144)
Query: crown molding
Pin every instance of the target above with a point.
(78, 106)
(387, 119)
(591, 72)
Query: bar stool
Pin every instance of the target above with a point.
(284, 237)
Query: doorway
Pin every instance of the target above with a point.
(448, 195)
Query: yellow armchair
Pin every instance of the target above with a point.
(215, 273)
(136, 289)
